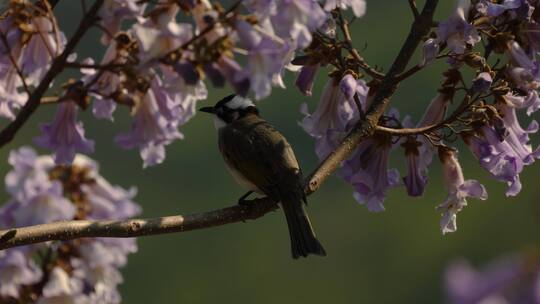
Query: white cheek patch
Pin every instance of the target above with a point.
(218, 122)
(239, 102)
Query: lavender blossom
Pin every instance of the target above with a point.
(161, 34)
(456, 31)
(234, 74)
(44, 45)
(205, 15)
(497, 157)
(156, 121)
(518, 9)
(106, 83)
(90, 266)
(16, 270)
(45, 207)
(334, 112)
(61, 288)
(114, 12)
(265, 59)
(516, 136)
(11, 97)
(305, 78)
(430, 50)
(524, 72)
(458, 188)
(358, 6)
(65, 135)
(417, 159)
(297, 19)
(337, 109)
(367, 171)
(494, 283)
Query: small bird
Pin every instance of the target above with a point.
(261, 160)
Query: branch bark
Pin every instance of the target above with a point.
(140, 227)
(58, 65)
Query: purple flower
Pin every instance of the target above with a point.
(114, 12)
(44, 45)
(337, 109)
(206, 15)
(430, 51)
(155, 125)
(161, 34)
(45, 207)
(533, 34)
(516, 136)
(11, 98)
(481, 83)
(110, 201)
(525, 71)
(506, 280)
(435, 111)
(358, 6)
(266, 57)
(418, 156)
(305, 78)
(107, 82)
(494, 10)
(16, 269)
(458, 188)
(65, 135)
(497, 157)
(93, 263)
(456, 31)
(234, 74)
(367, 171)
(297, 19)
(61, 288)
(29, 175)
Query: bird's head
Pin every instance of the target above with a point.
(229, 109)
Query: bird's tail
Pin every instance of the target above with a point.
(303, 239)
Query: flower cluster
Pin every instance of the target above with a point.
(80, 271)
(154, 64)
(487, 119)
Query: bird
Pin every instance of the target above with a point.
(261, 160)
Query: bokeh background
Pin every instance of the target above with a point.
(398, 256)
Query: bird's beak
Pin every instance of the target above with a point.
(207, 110)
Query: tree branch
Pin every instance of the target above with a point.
(140, 227)
(58, 65)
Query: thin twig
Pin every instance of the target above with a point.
(14, 63)
(207, 29)
(140, 227)
(58, 65)
(464, 106)
(414, 9)
(408, 73)
(344, 25)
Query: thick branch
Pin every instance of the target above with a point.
(140, 227)
(33, 102)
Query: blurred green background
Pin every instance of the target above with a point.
(397, 256)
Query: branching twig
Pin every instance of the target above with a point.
(344, 25)
(414, 9)
(58, 65)
(140, 227)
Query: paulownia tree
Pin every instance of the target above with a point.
(67, 230)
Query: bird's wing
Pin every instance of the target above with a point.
(261, 154)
